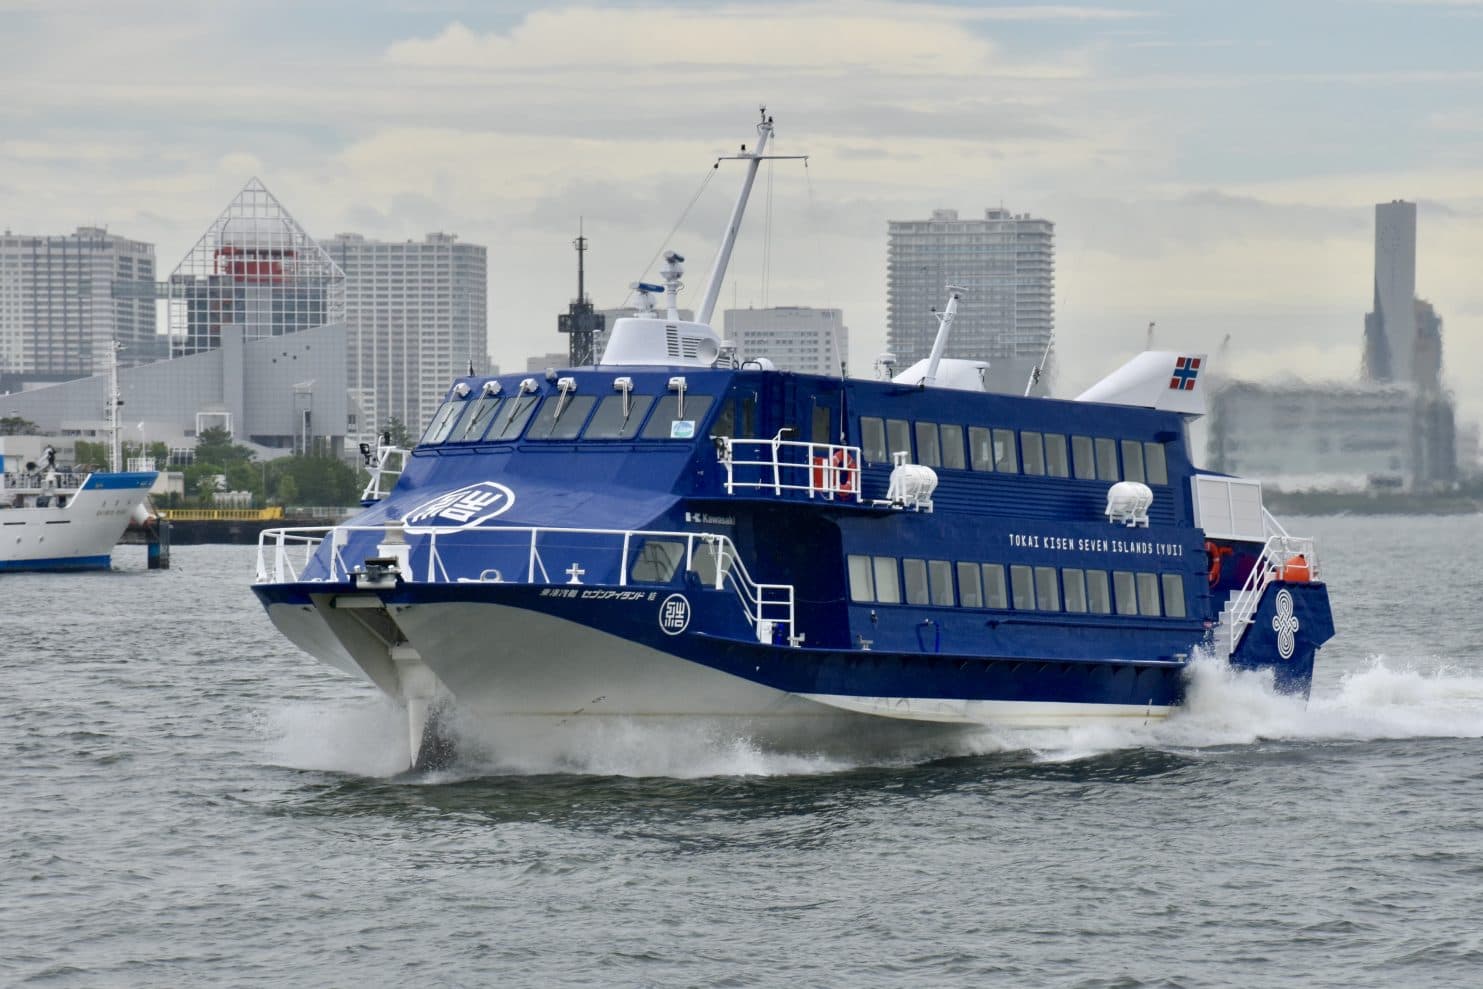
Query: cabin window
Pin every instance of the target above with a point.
(915, 573)
(928, 452)
(887, 584)
(1022, 582)
(478, 419)
(1004, 459)
(1047, 591)
(442, 424)
(746, 415)
(819, 431)
(1155, 463)
(1173, 595)
(1123, 587)
(1081, 456)
(561, 417)
(1148, 595)
(656, 561)
(940, 577)
(1074, 582)
(970, 591)
(873, 440)
(610, 422)
(1032, 453)
(1098, 600)
(1055, 455)
(996, 595)
(1106, 459)
(725, 422)
(1132, 461)
(952, 447)
(512, 417)
(980, 448)
(862, 587)
(666, 422)
(898, 438)
(707, 560)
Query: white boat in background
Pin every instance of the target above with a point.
(56, 520)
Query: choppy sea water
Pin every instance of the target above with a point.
(186, 800)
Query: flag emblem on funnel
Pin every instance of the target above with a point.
(1186, 369)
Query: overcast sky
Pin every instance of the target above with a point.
(1210, 166)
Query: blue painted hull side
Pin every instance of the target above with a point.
(57, 564)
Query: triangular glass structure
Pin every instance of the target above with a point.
(255, 269)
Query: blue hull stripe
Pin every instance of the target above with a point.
(59, 563)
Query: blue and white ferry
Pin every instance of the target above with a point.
(670, 533)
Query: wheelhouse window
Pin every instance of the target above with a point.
(929, 453)
(887, 583)
(898, 438)
(561, 417)
(1173, 595)
(940, 577)
(1106, 459)
(1127, 597)
(737, 418)
(952, 447)
(970, 590)
(668, 424)
(980, 448)
(996, 594)
(1073, 581)
(1155, 462)
(613, 422)
(915, 574)
(873, 440)
(1055, 455)
(477, 419)
(1004, 458)
(442, 424)
(1083, 458)
(1047, 590)
(1132, 461)
(1032, 453)
(1022, 582)
(511, 418)
(1099, 601)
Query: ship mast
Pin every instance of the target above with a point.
(944, 330)
(115, 451)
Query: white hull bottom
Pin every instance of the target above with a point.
(512, 667)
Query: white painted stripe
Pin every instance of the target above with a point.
(1022, 714)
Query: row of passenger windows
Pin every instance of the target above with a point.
(563, 416)
(1002, 450)
(877, 579)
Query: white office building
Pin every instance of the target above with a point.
(1005, 262)
(416, 316)
(65, 299)
(794, 338)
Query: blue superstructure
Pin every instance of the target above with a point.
(671, 534)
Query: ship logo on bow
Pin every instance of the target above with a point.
(469, 505)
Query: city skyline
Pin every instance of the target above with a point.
(1213, 170)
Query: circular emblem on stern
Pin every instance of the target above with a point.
(674, 614)
(1285, 624)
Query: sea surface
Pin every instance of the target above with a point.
(187, 801)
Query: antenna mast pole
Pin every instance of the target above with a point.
(115, 451)
(723, 256)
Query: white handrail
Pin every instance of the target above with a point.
(830, 470)
(760, 602)
(1277, 550)
(383, 468)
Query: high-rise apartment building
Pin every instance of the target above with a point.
(1005, 262)
(416, 316)
(1390, 330)
(65, 299)
(794, 338)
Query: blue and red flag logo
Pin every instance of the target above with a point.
(1186, 369)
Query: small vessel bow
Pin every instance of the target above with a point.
(670, 534)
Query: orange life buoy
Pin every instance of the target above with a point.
(1215, 552)
(844, 473)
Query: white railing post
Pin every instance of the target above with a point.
(623, 563)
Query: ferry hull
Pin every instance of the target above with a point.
(79, 536)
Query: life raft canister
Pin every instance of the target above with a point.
(1296, 570)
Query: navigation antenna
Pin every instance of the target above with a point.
(580, 321)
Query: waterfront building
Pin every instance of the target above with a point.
(794, 338)
(1005, 262)
(542, 362)
(416, 316)
(1390, 328)
(65, 299)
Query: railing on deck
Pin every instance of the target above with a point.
(822, 470)
(767, 606)
(390, 462)
(1276, 552)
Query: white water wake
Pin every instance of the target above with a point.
(1385, 700)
